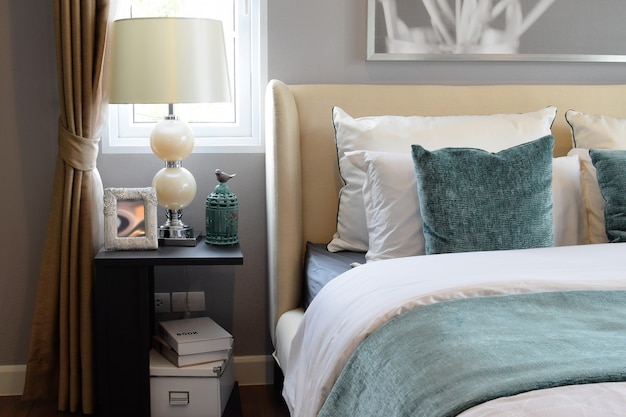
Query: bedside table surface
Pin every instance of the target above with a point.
(201, 254)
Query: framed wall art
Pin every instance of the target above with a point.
(130, 219)
(514, 30)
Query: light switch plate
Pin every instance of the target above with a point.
(188, 301)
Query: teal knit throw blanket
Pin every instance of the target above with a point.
(442, 359)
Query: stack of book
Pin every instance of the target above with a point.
(193, 341)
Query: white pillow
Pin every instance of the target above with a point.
(595, 230)
(394, 222)
(568, 208)
(397, 133)
(392, 210)
(596, 131)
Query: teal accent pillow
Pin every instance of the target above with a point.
(611, 172)
(473, 200)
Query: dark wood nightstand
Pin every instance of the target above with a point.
(124, 319)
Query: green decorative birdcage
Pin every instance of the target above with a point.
(222, 216)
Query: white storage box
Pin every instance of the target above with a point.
(191, 391)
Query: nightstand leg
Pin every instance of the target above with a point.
(123, 330)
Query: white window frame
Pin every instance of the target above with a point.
(246, 135)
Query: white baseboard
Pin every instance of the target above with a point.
(254, 370)
(12, 379)
(249, 370)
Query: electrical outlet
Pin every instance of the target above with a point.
(162, 302)
(188, 301)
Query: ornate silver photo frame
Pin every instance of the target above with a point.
(130, 219)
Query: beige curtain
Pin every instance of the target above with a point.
(61, 360)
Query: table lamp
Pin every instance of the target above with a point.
(168, 60)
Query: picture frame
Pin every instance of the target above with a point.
(130, 219)
(496, 30)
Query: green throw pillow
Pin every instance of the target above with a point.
(473, 200)
(611, 171)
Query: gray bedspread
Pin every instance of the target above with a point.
(441, 359)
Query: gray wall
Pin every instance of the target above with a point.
(308, 42)
(28, 116)
(325, 42)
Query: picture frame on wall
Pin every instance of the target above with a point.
(496, 30)
(130, 219)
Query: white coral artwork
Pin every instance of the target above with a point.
(463, 26)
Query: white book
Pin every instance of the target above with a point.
(159, 366)
(164, 348)
(195, 335)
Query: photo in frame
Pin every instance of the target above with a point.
(130, 219)
(504, 30)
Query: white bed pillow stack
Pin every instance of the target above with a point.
(591, 131)
(396, 134)
(393, 213)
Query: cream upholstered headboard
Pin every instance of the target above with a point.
(301, 161)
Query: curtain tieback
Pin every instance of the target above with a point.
(80, 153)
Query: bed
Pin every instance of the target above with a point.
(405, 281)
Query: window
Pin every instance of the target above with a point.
(218, 127)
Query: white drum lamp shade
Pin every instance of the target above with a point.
(166, 61)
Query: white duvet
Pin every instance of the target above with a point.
(353, 305)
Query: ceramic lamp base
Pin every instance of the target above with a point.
(186, 241)
(176, 233)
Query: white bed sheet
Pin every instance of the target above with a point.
(355, 304)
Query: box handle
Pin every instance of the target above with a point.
(179, 397)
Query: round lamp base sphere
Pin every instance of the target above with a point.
(172, 140)
(175, 187)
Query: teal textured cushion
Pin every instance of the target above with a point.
(611, 171)
(473, 200)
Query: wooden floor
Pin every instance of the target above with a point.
(247, 401)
